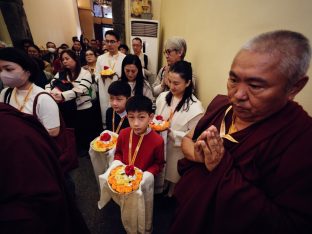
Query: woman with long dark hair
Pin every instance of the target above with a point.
(132, 72)
(183, 110)
(70, 89)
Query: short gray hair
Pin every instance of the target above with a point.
(178, 44)
(291, 48)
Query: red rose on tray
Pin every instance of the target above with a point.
(129, 169)
(106, 67)
(105, 137)
(159, 117)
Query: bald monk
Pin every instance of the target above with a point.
(248, 162)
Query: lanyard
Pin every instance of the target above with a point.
(171, 115)
(119, 125)
(232, 129)
(26, 98)
(131, 159)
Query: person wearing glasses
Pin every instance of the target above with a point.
(91, 58)
(137, 47)
(112, 59)
(175, 50)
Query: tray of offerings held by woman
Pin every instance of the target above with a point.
(159, 124)
(124, 179)
(106, 141)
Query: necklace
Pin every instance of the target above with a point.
(120, 123)
(26, 98)
(232, 128)
(131, 159)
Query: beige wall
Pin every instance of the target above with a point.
(216, 29)
(55, 20)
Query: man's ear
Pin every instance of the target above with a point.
(297, 87)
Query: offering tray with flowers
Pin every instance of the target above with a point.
(106, 141)
(107, 72)
(159, 124)
(124, 179)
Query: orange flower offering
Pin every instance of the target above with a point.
(125, 179)
(106, 141)
(107, 72)
(159, 124)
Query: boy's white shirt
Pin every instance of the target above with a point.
(136, 208)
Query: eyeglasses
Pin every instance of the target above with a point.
(112, 42)
(168, 51)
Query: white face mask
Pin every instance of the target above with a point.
(14, 79)
(51, 50)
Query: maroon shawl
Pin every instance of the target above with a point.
(262, 185)
(32, 194)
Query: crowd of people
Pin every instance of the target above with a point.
(243, 166)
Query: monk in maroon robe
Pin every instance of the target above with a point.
(32, 194)
(248, 165)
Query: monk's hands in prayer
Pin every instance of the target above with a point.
(198, 150)
(210, 145)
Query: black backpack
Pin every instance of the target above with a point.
(145, 61)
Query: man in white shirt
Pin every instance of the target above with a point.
(112, 59)
(137, 50)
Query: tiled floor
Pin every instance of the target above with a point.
(107, 220)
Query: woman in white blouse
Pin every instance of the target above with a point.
(183, 110)
(132, 72)
(71, 89)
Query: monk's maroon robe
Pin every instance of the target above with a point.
(32, 194)
(262, 185)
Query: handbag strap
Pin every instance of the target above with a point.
(7, 95)
(62, 123)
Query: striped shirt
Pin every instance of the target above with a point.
(80, 90)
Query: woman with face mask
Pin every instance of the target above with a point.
(18, 72)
